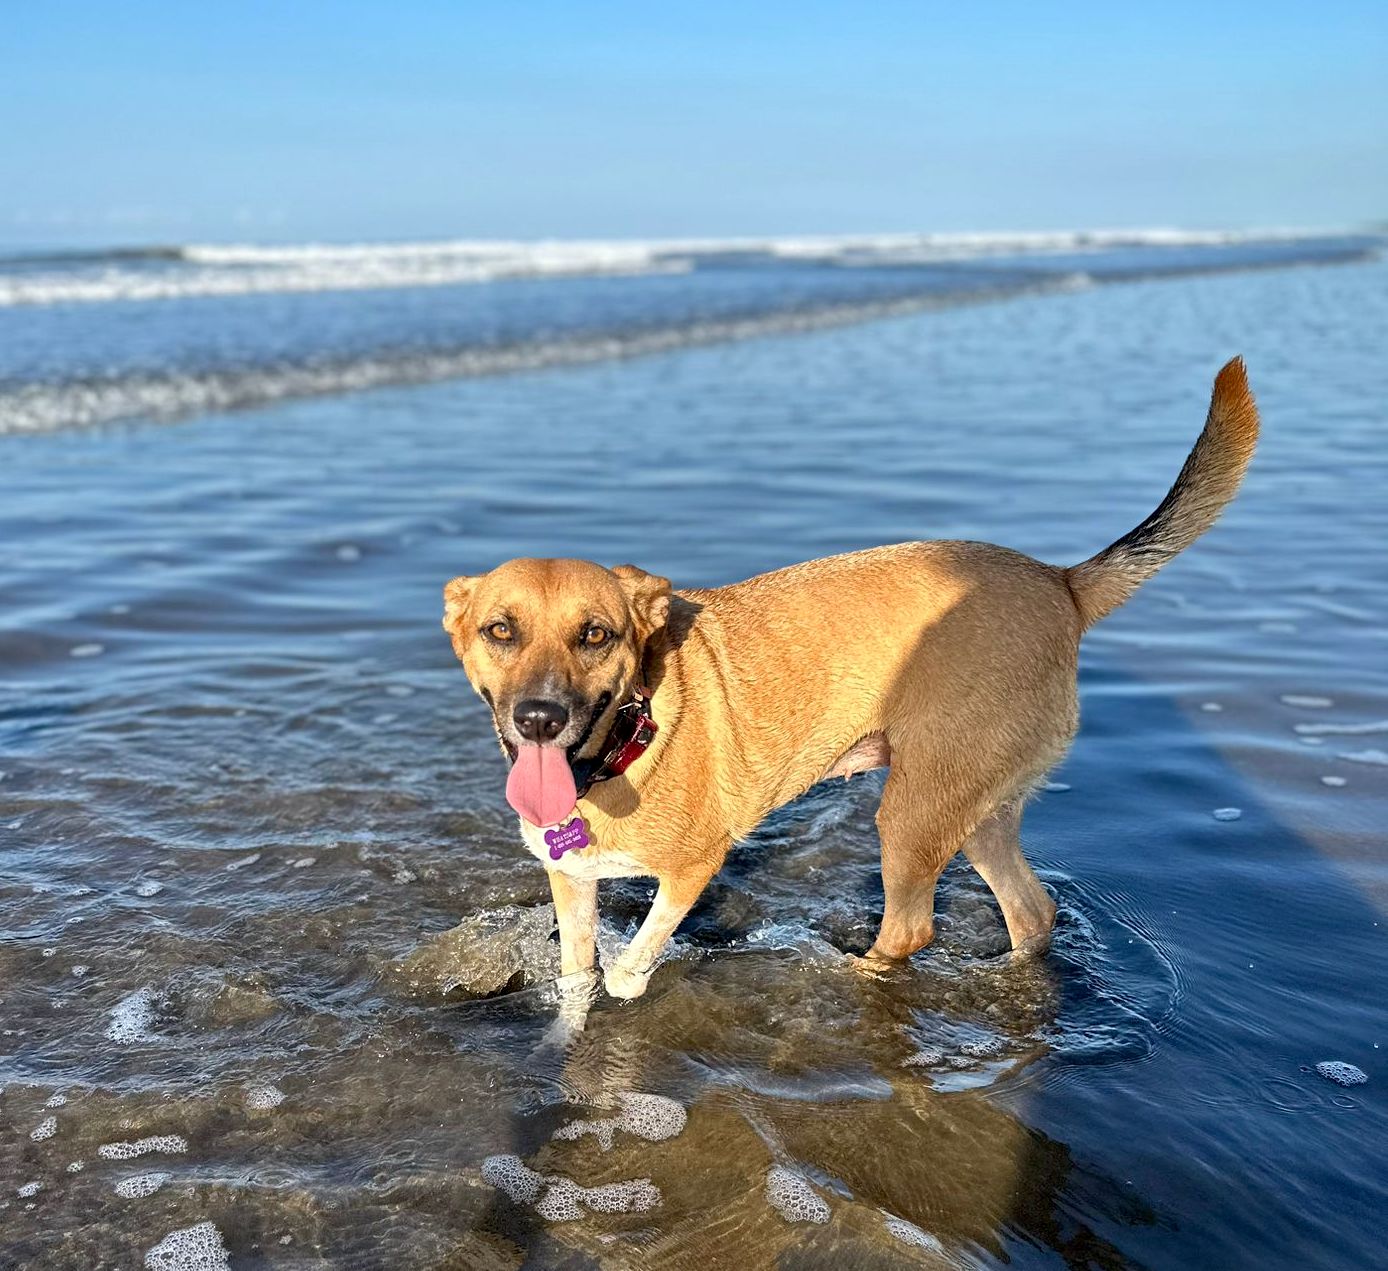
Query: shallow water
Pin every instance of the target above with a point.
(245, 795)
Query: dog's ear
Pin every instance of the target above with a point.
(649, 595)
(456, 596)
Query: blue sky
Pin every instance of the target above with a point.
(137, 122)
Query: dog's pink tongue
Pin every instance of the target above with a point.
(541, 785)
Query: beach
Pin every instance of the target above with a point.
(246, 792)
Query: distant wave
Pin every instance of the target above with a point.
(195, 270)
(44, 407)
(238, 272)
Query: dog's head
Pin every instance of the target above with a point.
(555, 648)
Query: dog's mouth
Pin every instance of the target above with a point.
(541, 786)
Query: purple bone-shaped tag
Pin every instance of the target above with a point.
(566, 838)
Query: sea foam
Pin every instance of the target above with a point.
(198, 1248)
(560, 1199)
(132, 1017)
(791, 1196)
(138, 1186)
(652, 1117)
(208, 269)
(154, 1143)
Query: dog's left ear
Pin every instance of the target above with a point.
(456, 595)
(649, 595)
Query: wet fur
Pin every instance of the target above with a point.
(951, 663)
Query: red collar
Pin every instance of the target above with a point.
(630, 736)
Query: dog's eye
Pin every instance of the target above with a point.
(499, 631)
(594, 636)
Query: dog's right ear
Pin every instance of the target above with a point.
(649, 595)
(457, 595)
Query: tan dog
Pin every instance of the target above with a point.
(953, 663)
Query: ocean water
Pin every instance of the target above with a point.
(276, 977)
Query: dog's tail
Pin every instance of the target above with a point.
(1208, 481)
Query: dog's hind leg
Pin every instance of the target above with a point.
(917, 843)
(994, 849)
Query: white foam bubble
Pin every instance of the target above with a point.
(45, 1129)
(1341, 1074)
(198, 1248)
(86, 650)
(76, 1167)
(148, 888)
(1227, 814)
(909, 1234)
(513, 1176)
(791, 1195)
(137, 1186)
(560, 1199)
(171, 1143)
(1330, 780)
(652, 1117)
(1306, 701)
(244, 861)
(29, 1189)
(1379, 758)
(80, 970)
(565, 1200)
(304, 862)
(56, 1100)
(133, 1017)
(983, 1048)
(1211, 707)
(349, 552)
(1343, 730)
(263, 1095)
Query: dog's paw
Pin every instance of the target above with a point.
(873, 968)
(622, 982)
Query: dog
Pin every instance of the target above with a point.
(650, 729)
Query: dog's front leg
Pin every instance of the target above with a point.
(674, 898)
(576, 908)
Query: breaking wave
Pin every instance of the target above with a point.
(43, 407)
(193, 270)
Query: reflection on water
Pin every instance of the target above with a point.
(246, 800)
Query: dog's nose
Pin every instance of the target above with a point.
(539, 721)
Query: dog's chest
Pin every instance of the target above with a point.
(593, 861)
